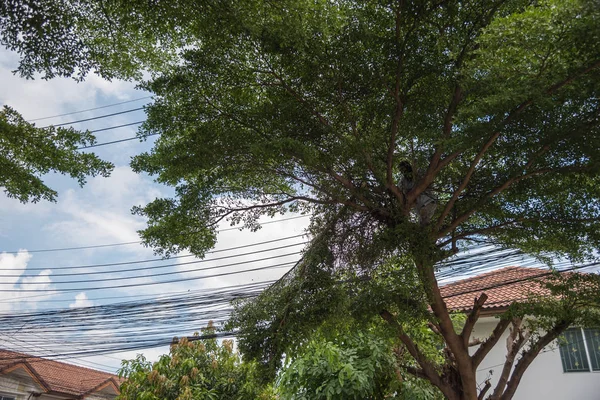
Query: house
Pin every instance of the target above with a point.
(25, 377)
(566, 370)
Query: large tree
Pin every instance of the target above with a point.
(406, 128)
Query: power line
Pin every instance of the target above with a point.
(116, 141)
(115, 127)
(139, 241)
(94, 118)
(26, 345)
(282, 265)
(111, 348)
(112, 343)
(155, 275)
(153, 259)
(194, 299)
(529, 278)
(153, 296)
(90, 109)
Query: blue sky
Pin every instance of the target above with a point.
(98, 213)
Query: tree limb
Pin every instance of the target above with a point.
(427, 368)
(489, 343)
(499, 189)
(528, 357)
(459, 351)
(472, 318)
(514, 341)
(483, 391)
(494, 136)
(398, 112)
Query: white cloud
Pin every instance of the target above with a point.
(100, 212)
(40, 282)
(13, 265)
(81, 300)
(12, 269)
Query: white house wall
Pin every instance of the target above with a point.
(544, 379)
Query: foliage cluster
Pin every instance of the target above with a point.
(28, 152)
(194, 369)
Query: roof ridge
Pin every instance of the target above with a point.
(490, 273)
(27, 357)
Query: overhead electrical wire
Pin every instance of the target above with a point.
(116, 141)
(139, 241)
(155, 297)
(90, 109)
(281, 265)
(132, 324)
(110, 348)
(94, 118)
(227, 249)
(151, 323)
(178, 272)
(27, 345)
(18, 299)
(116, 127)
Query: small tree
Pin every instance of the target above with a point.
(198, 369)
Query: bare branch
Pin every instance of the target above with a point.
(483, 391)
(472, 318)
(529, 355)
(514, 341)
(419, 373)
(489, 343)
(434, 328)
(434, 164)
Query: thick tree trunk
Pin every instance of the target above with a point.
(466, 385)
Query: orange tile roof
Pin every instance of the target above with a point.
(58, 377)
(502, 286)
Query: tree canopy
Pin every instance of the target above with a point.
(407, 129)
(28, 152)
(350, 362)
(194, 369)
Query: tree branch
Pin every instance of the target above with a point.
(299, 98)
(457, 348)
(494, 136)
(472, 318)
(434, 164)
(514, 342)
(499, 189)
(528, 357)
(483, 391)
(419, 373)
(489, 343)
(427, 367)
(398, 112)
